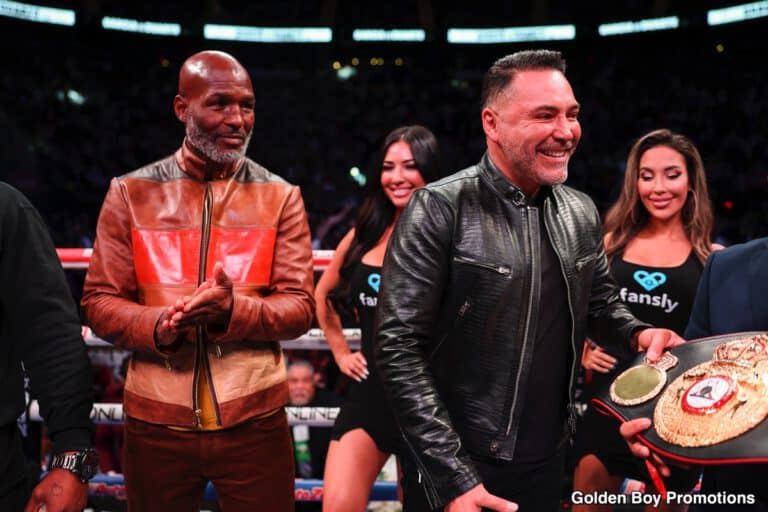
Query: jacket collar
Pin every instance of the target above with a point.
(505, 188)
(195, 166)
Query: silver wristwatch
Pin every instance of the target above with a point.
(82, 463)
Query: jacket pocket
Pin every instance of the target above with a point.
(475, 287)
(499, 268)
(474, 290)
(461, 313)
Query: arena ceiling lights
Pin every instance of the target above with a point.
(511, 34)
(396, 34)
(737, 13)
(268, 34)
(67, 17)
(142, 27)
(37, 13)
(629, 27)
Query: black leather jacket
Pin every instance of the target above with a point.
(457, 313)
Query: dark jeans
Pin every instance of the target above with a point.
(534, 487)
(14, 484)
(250, 465)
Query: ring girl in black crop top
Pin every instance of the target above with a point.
(657, 239)
(365, 433)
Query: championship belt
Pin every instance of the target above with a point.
(708, 399)
(719, 399)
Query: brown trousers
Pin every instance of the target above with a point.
(250, 465)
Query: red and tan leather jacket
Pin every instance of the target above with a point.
(160, 232)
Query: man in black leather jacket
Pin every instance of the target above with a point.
(493, 278)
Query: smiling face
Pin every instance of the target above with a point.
(216, 103)
(399, 174)
(532, 129)
(662, 183)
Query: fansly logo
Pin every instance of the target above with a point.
(374, 280)
(649, 281)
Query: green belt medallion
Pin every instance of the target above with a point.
(641, 383)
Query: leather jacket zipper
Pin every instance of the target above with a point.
(571, 405)
(504, 270)
(196, 423)
(202, 353)
(526, 333)
(426, 484)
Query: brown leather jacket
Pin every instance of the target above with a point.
(160, 231)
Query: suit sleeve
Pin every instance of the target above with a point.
(699, 325)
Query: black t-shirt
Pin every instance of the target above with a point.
(543, 417)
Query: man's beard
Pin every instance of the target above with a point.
(206, 144)
(526, 164)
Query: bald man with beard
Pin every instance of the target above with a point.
(202, 263)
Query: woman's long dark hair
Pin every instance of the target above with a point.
(377, 212)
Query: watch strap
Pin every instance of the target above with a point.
(81, 463)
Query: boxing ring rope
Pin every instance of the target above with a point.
(314, 339)
(79, 258)
(103, 485)
(112, 414)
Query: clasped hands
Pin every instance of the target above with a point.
(210, 304)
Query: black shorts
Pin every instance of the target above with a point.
(366, 407)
